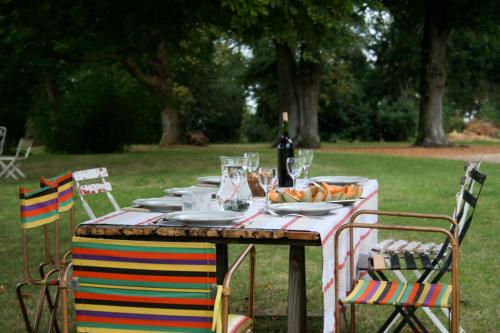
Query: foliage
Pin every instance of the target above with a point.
(113, 111)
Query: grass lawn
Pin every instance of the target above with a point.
(408, 184)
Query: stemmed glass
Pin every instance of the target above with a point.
(268, 178)
(252, 161)
(308, 155)
(294, 166)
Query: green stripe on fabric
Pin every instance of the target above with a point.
(66, 202)
(143, 248)
(145, 283)
(126, 327)
(442, 292)
(39, 216)
(396, 294)
(148, 293)
(406, 294)
(364, 285)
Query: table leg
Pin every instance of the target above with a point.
(222, 262)
(297, 314)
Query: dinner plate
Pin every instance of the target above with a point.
(304, 208)
(166, 203)
(179, 191)
(215, 180)
(209, 217)
(344, 202)
(339, 180)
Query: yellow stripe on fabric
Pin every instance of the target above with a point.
(423, 294)
(379, 291)
(29, 225)
(361, 284)
(27, 202)
(65, 187)
(165, 267)
(143, 243)
(217, 308)
(82, 329)
(144, 310)
(204, 291)
(445, 300)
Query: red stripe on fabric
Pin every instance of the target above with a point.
(436, 291)
(390, 293)
(354, 209)
(292, 221)
(238, 325)
(145, 322)
(413, 293)
(144, 255)
(145, 299)
(65, 197)
(372, 284)
(149, 220)
(248, 219)
(109, 217)
(148, 278)
(342, 265)
(39, 211)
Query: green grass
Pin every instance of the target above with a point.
(409, 184)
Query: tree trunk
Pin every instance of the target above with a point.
(298, 94)
(171, 133)
(288, 100)
(432, 75)
(308, 87)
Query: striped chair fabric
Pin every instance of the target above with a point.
(38, 207)
(399, 293)
(64, 185)
(144, 286)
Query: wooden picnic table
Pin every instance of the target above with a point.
(287, 231)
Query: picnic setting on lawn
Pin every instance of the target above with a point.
(249, 166)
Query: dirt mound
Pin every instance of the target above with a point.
(483, 128)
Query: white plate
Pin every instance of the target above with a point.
(215, 180)
(208, 216)
(339, 180)
(344, 202)
(305, 208)
(179, 191)
(166, 203)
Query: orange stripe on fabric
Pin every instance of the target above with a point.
(371, 285)
(413, 293)
(38, 211)
(145, 322)
(390, 293)
(148, 278)
(437, 290)
(159, 300)
(144, 255)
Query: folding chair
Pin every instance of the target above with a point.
(3, 134)
(93, 188)
(406, 297)
(39, 208)
(149, 286)
(10, 164)
(428, 261)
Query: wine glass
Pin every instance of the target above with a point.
(252, 161)
(308, 155)
(294, 166)
(268, 177)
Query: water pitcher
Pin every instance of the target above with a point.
(234, 192)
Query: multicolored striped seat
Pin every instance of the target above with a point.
(38, 207)
(398, 293)
(144, 286)
(64, 185)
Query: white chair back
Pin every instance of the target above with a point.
(3, 134)
(23, 148)
(92, 188)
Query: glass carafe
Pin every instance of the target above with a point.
(234, 192)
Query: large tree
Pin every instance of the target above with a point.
(300, 32)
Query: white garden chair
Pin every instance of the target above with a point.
(3, 134)
(10, 164)
(92, 188)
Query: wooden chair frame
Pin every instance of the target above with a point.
(249, 252)
(9, 164)
(93, 188)
(452, 237)
(44, 282)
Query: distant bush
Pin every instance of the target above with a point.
(397, 121)
(102, 110)
(255, 129)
